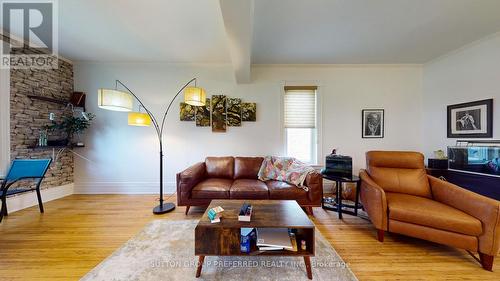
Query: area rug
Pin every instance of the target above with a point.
(164, 250)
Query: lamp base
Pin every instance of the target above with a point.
(162, 209)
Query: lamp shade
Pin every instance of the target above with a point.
(194, 96)
(139, 119)
(114, 100)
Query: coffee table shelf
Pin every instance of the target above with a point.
(223, 239)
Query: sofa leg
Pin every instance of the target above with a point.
(187, 209)
(380, 235)
(309, 211)
(486, 261)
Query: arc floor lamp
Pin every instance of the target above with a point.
(116, 100)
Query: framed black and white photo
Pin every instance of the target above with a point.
(372, 123)
(471, 119)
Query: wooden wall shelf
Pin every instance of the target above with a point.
(48, 99)
(54, 147)
(77, 99)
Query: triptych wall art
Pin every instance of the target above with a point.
(219, 113)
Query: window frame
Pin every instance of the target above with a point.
(319, 123)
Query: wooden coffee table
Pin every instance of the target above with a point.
(223, 239)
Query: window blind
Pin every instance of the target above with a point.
(300, 107)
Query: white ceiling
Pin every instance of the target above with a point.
(151, 30)
(282, 31)
(368, 31)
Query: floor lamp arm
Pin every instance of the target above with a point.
(172, 101)
(153, 119)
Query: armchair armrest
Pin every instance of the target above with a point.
(483, 208)
(187, 179)
(314, 181)
(373, 199)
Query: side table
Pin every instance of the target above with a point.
(337, 202)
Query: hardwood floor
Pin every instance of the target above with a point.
(79, 231)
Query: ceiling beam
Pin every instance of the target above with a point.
(238, 22)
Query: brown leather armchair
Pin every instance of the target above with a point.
(400, 197)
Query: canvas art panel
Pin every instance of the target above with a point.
(218, 108)
(249, 111)
(372, 123)
(203, 115)
(472, 119)
(187, 112)
(219, 112)
(234, 112)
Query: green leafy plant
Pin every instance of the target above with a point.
(72, 125)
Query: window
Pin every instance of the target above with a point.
(300, 123)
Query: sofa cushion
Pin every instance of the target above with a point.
(285, 191)
(247, 167)
(213, 188)
(220, 167)
(427, 212)
(249, 189)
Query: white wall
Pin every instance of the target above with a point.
(468, 74)
(124, 159)
(4, 119)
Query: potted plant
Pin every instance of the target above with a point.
(72, 126)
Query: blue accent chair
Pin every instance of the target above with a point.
(23, 169)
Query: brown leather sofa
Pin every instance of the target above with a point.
(236, 178)
(400, 197)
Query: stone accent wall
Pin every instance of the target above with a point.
(29, 116)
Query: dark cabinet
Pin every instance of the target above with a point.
(488, 186)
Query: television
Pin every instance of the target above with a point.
(475, 159)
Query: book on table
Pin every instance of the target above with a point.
(247, 238)
(272, 239)
(215, 214)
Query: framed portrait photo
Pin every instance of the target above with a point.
(372, 123)
(471, 119)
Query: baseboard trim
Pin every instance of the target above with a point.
(122, 188)
(139, 187)
(28, 199)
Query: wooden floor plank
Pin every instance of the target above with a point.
(79, 231)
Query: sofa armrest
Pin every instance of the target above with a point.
(483, 208)
(374, 201)
(187, 179)
(314, 181)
